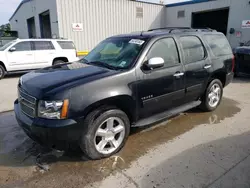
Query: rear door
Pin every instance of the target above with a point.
(22, 58)
(197, 66)
(44, 53)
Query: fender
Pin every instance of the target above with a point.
(113, 90)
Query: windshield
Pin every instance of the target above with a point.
(6, 46)
(119, 53)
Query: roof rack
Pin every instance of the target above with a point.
(169, 28)
(184, 29)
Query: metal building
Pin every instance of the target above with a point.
(86, 22)
(232, 17)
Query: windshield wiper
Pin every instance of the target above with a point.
(102, 64)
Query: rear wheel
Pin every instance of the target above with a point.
(58, 62)
(106, 131)
(2, 72)
(212, 98)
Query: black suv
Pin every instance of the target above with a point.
(126, 81)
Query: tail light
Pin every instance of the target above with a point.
(233, 63)
(76, 54)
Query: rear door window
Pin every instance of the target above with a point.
(43, 45)
(193, 49)
(218, 44)
(66, 45)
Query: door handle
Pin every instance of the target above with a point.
(207, 66)
(29, 54)
(178, 74)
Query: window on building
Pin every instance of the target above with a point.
(166, 49)
(23, 46)
(193, 49)
(181, 14)
(218, 44)
(66, 45)
(139, 12)
(43, 45)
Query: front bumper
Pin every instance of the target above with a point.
(229, 78)
(57, 134)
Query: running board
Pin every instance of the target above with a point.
(165, 115)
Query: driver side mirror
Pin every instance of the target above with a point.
(12, 49)
(242, 43)
(156, 62)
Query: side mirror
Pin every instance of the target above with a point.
(242, 43)
(12, 49)
(155, 62)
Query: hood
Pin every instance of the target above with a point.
(44, 80)
(242, 50)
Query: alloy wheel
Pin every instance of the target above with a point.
(109, 135)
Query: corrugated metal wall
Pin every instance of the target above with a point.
(104, 18)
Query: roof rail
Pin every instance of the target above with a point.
(169, 28)
(184, 29)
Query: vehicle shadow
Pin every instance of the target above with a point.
(223, 163)
(242, 79)
(14, 75)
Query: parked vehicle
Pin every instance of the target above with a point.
(126, 81)
(242, 55)
(23, 55)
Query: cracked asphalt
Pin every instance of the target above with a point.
(194, 149)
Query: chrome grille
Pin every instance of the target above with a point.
(27, 103)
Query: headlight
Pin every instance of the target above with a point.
(53, 109)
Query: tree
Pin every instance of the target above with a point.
(5, 30)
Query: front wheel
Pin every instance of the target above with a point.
(105, 133)
(2, 72)
(212, 98)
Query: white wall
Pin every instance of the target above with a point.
(34, 8)
(239, 10)
(104, 18)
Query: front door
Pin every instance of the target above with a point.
(163, 88)
(197, 66)
(22, 58)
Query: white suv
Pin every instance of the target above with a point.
(22, 55)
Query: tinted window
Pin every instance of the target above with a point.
(23, 46)
(67, 45)
(43, 45)
(193, 49)
(166, 49)
(218, 44)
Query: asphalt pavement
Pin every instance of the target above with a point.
(194, 149)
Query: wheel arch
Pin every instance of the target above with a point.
(65, 59)
(220, 75)
(1, 63)
(123, 102)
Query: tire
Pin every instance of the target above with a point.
(58, 62)
(206, 105)
(2, 72)
(94, 146)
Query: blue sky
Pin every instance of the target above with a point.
(9, 6)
